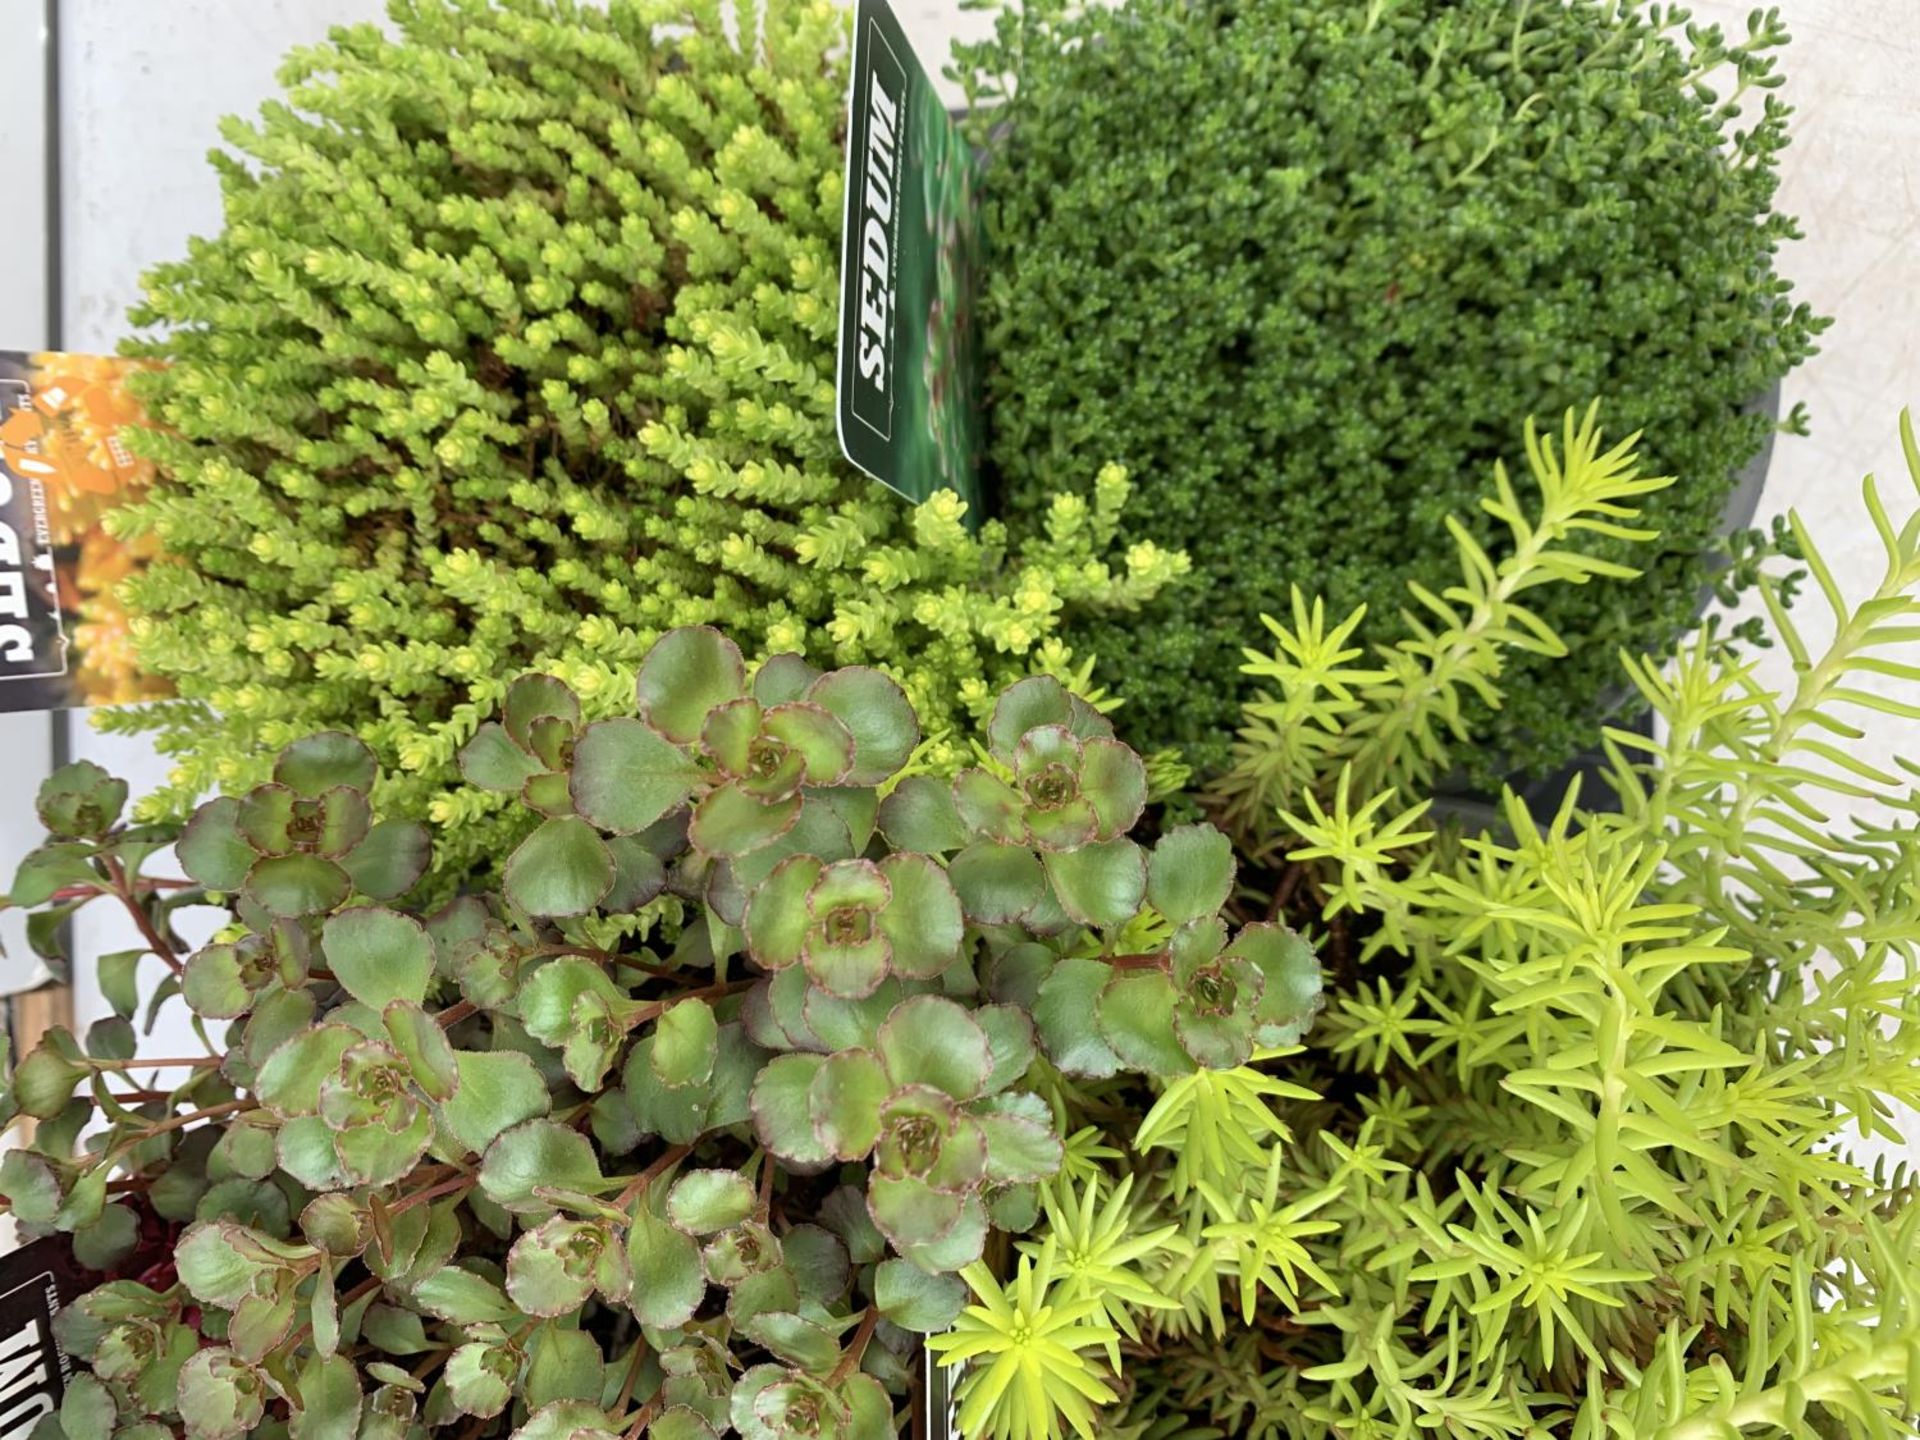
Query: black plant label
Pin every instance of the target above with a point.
(35, 1281)
(33, 642)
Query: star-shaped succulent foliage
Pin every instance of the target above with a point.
(684, 1130)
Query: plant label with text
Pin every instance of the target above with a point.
(908, 384)
(35, 1282)
(64, 466)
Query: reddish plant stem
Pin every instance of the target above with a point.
(141, 886)
(607, 957)
(1154, 961)
(433, 1362)
(639, 1183)
(422, 1178)
(454, 1014)
(435, 1172)
(432, 1192)
(156, 942)
(633, 1374)
(631, 962)
(642, 1419)
(364, 1288)
(1284, 891)
(225, 1108)
(705, 992)
(856, 1348)
(204, 1062)
(585, 952)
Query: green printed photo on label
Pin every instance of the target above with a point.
(909, 408)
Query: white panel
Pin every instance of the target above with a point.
(143, 89)
(25, 752)
(1852, 176)
(23, 155)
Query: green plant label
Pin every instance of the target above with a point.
(64, 466)
(909, 406)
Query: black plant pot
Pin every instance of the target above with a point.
(1543, 794)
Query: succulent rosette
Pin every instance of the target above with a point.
(688, 1126)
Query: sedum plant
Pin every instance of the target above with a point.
(689, 1128)
(1583, 1144)
(1353, 234)
(516, 351)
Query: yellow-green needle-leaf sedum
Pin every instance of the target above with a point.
(1586, 1144)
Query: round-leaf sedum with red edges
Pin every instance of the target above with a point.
(684, 1129)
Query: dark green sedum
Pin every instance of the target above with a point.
(1305, 266)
